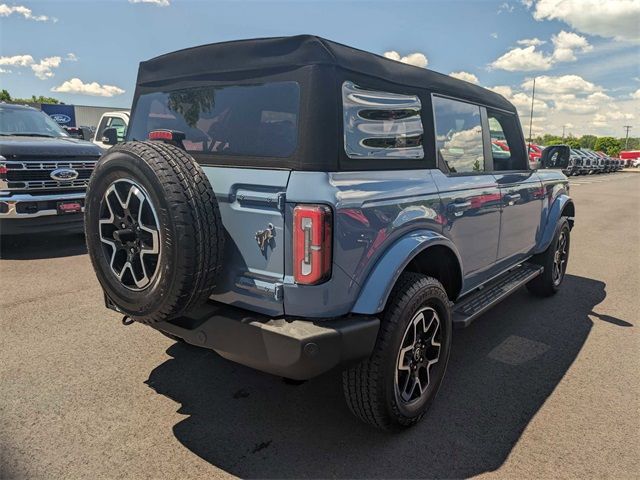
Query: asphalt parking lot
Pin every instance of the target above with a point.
(535, 388)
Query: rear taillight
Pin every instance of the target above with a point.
(311, 244)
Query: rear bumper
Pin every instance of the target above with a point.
(292, 348)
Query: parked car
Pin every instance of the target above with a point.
(597, 163)
(630, 157)
(43, 172)
(583, 162)
(322, 207)
(111, 129)
(575, 164)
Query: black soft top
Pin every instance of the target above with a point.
(320, 67)
(264, 55)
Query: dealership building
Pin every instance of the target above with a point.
(76, 115)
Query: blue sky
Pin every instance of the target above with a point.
(589, 58)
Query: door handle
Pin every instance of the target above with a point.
(458, 206)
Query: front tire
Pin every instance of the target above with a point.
(395, 386)
(554, 260)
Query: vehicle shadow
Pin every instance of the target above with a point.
(42, 245)
(502, 369)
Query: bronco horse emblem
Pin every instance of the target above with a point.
(265, 237)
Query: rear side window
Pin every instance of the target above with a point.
(458, 135)
(243, 120)
(381, 124)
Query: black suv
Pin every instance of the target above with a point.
(43, 172)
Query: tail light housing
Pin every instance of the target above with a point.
(312, 235)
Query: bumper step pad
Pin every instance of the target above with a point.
(476, 303)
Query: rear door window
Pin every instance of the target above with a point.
(459, 142)
(243, 120)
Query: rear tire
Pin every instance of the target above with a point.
(413, 342)
(554, 260)
(153, 230)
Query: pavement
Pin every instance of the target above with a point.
(536, 388)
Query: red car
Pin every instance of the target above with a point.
(535, 152)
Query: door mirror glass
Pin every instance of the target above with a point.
(555, 157)
(110, 136)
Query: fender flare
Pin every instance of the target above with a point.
(555, 212)
(382, 278)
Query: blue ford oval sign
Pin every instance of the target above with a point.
(61, 118)
(64, 174)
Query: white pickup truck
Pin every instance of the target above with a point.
(117, 120)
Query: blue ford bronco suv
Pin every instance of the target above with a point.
(297, 205)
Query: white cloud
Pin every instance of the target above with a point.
(505, 7)
(43, 69)
(531, 41)
(17, 60)
(522, 102)
(574, 102)
(160, 3)
(611, 18)
(27, 13)
(527, 3)
(529, 59)
(526, 59)
(592, 103)
(418, 59)
(494, 35)
(566, 44)
(2, 70)
(546, 84)
(503, 90)
(466, 76)
(78, 87)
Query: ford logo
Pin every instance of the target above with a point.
(64, 174)
(60, 117)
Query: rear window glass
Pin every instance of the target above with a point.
(242, 120)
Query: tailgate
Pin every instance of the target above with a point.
(252, 208)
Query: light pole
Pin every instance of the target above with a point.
(626, 138)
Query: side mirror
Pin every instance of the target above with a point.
(556, 157)
(110, 136)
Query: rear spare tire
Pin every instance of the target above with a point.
(153, 230)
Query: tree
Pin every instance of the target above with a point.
(38, 99)
(588, 141)
(608, 145)
(632, 144)
(5, 96)
(573, 142)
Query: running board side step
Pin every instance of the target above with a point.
(478, 302)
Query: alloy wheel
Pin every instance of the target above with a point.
(419, 352)
(129, 232)
(560, 258)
